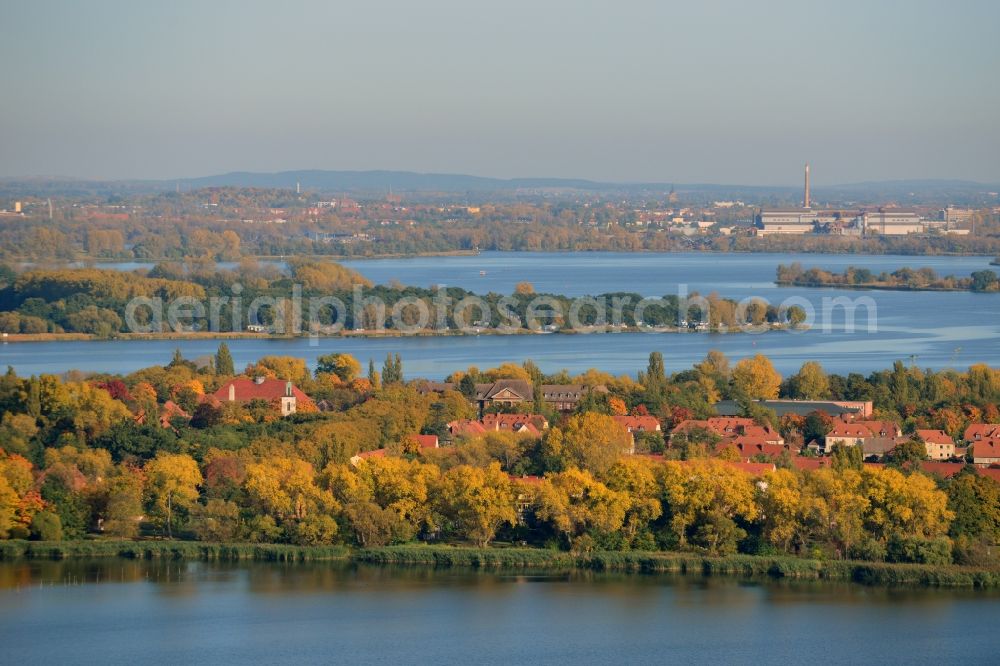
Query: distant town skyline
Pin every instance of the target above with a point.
(640, 91)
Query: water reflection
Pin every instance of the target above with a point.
(168, 612)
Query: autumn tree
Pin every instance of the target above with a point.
(172, 481)
(574, 503)
(476, 502)
(704, 499)
(810, 383)
(590, 441)
(637, 481)
(344, 366)
(756, 378)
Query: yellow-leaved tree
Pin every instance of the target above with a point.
(172, 481)
(476, 502)
(756, 378)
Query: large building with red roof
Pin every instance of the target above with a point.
(286, 397)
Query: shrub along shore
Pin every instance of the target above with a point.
(745, 566)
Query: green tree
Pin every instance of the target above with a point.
(46, 526)
(216, 520)
(847, 457)
(224, 361)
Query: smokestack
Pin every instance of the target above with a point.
(805, 198)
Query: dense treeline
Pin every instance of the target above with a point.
(903, 278)
(108, 455)
(95, 302)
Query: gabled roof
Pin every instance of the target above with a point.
(171, 410)
(425, 441)
(989, 472)
(943, 469)
(466, 427)
(563, 392)
(977, 431)
(807, 463)
(533, 423)
(858, 430)
(755, 469)
(935, 437)
(505, 389)
(267, 389)
(527, 479)
(638, 423)
(749, 448)
(879, 446)
(986, 448)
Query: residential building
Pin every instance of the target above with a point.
(939, 445)
(636, 424)
(730, 429)
(985, 452)
(857, 433)
(980, 431)
(510, 392)
(532, 424)
(284, 395)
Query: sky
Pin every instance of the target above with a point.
(644, 90)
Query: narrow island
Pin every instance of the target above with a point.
(323, 298)
(902, 279)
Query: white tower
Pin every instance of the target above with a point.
(805, 198)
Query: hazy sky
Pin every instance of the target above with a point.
(695, 91)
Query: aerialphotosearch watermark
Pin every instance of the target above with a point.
(364, 312)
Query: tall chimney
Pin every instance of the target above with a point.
(805, 199)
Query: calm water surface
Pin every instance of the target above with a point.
(170, 613)
(935, 330)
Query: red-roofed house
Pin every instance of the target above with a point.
(856, 433)
(365, 455)
(939, 445)
(754, 469)
(748, 447)
(284, 395)
(466, 428)
(425, 441)
(636, 424)
(807, 463)
(945, 470)
(527, 423)
(979, 431)
(985, 452)
(730, 427)
(989, 472)
(170, 411)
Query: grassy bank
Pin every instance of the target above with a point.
(744, 566)
(870, 573)
(176, 550)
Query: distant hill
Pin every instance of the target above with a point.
(404, 181)
(379, 182)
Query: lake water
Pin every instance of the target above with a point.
(128, 612)
(932, 329)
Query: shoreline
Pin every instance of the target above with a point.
(15, 338)
(877, 287)
(778, 567)
(472, 253)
